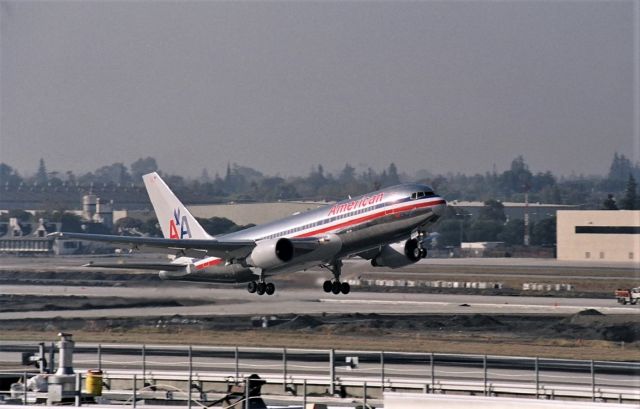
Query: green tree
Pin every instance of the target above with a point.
(450, 231)
(484, 230)
(41, 174)
(8, 176)
(543, 232)
(620, 167)
(115, 173)
(453, 227)
(630, 199)
(96, 228)
(141, 167)
(348, 174)
(493, 210)
(218, 225)
(542, 180)
(316, 178)
(610, 203)
(392, 177)
(512, 232)
(70, 223)
(235, 181)
(151, 228)
(516, 178)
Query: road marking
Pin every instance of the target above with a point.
(382, 302)
(476, 304)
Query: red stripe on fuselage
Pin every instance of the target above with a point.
(372, 216)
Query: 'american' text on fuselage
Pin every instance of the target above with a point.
(356, 204)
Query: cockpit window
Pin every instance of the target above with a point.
(422, 195)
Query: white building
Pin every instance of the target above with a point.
(516, 210)
(599, 235)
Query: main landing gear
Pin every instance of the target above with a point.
(261, 288)
(335, 286)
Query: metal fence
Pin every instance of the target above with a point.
(360, 374)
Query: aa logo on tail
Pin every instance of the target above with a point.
(180, 222)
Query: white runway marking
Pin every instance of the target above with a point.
(568, 308)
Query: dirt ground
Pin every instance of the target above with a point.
(586, 335)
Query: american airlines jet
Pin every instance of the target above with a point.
(386, 227)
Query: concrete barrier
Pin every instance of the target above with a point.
(393, 400)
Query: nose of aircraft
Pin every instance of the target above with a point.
(439, 209)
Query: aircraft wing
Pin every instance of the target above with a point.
(191, 248)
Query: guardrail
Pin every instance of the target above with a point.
(360, 373)
(161, 385)
(629, 368)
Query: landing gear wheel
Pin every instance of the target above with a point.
(262, 287)
(423, 253)
(335, 287)
(252, 287)
(345, 288)
(326, 286)
(270, 289)
(417, 253)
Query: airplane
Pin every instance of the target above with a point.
(386, 227)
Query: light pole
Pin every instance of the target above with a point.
(461, 217)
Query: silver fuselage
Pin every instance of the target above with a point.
(362, 224)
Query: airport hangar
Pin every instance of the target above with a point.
(598, 235)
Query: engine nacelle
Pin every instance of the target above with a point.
(271, 253)
(398, 255)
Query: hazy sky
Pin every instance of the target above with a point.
(281, 86)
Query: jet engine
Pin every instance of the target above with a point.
(271, 253)
(399, 254)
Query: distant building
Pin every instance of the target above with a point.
(32, 238)
(599, 235)
(96, 211)
(482, 249)
(516, 210)
(28, 238)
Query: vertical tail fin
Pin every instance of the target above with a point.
(175, 220)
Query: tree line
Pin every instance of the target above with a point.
(616, 190)
(118, 182)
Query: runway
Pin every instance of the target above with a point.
(238, 302)
(299, 293)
